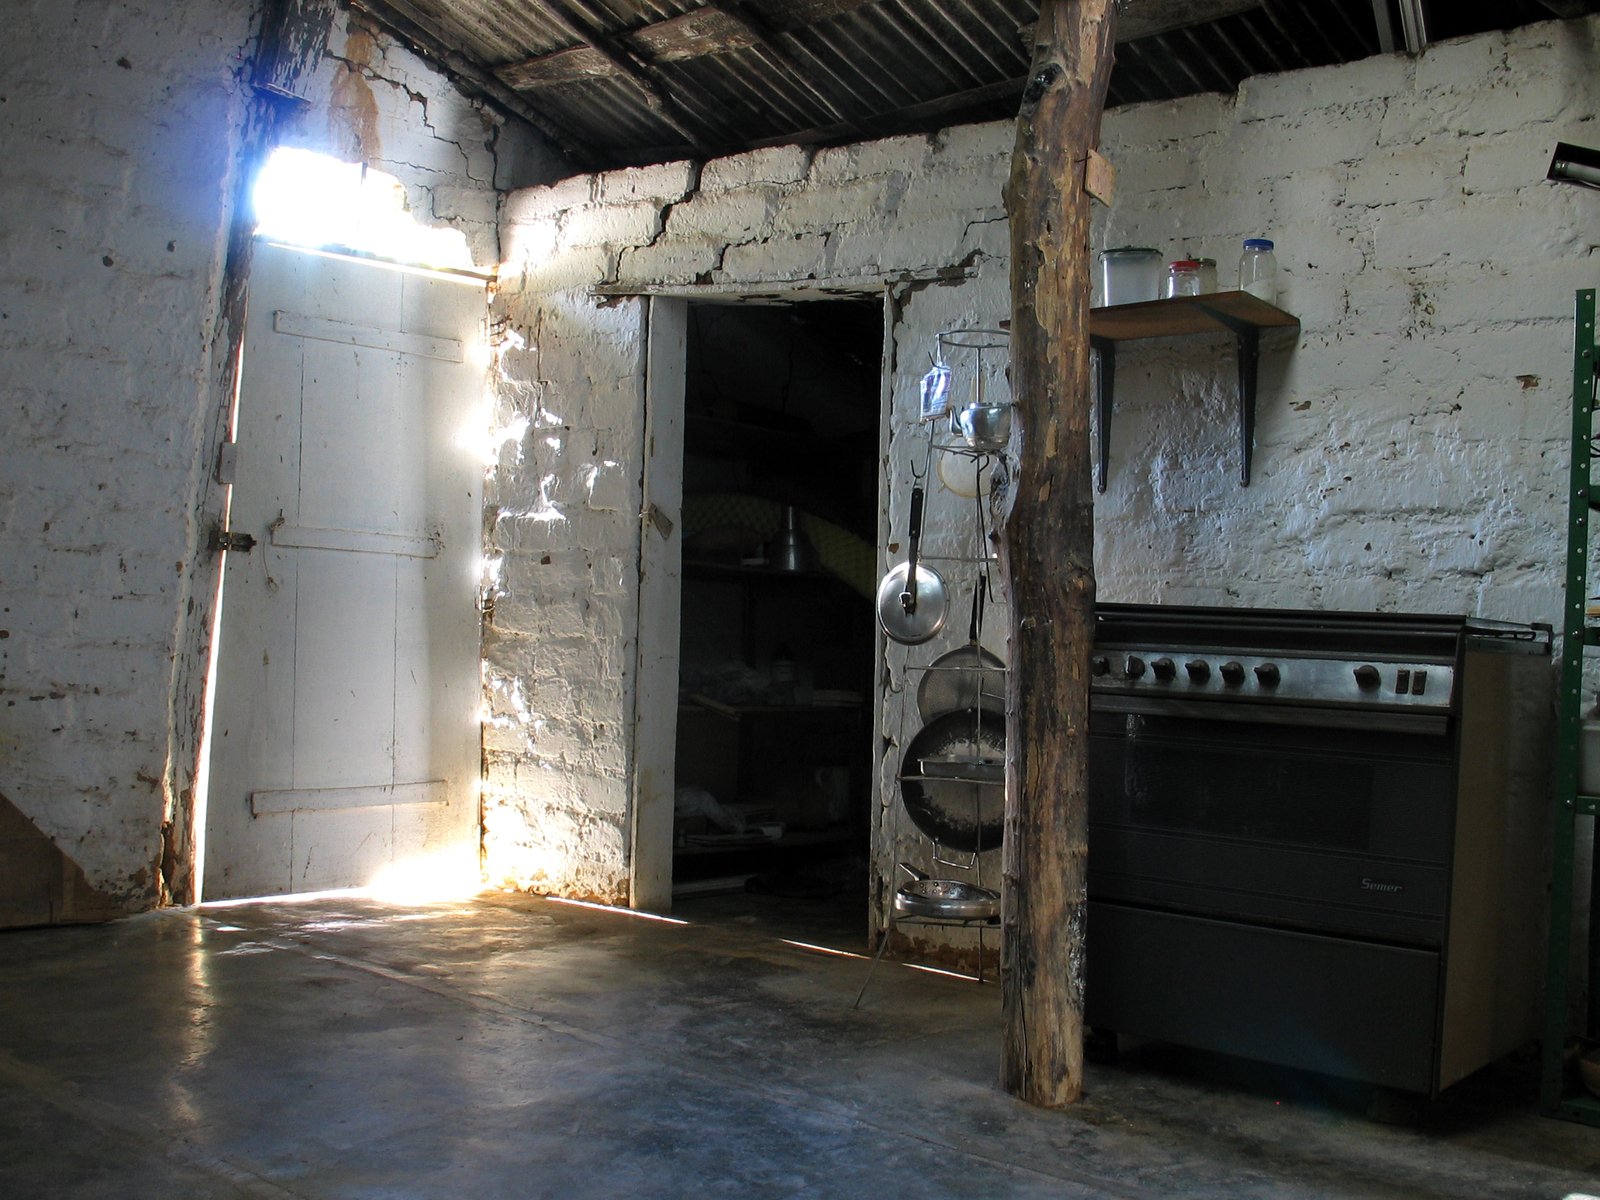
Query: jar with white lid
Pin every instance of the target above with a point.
(1258, 270)
(1183, 278)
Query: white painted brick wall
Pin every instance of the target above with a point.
(1409, 449)
(118, 136)
(121, 130)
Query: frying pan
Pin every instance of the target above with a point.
(945, 899)
(968, 678)
(949, 779)
(912, 599)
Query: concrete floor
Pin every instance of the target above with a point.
(515, 1047)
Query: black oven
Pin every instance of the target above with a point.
(1312, 835)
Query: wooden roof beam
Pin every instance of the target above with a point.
(620, 62)
(717, 28)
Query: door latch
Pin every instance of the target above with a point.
(226, 539)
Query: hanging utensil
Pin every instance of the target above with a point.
(952, 780)
(968, 678)
(912, 599)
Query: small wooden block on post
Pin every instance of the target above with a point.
(1100, 178)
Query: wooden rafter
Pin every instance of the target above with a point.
(620, 62)
(717, 28)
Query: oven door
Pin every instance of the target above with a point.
(1294, 819)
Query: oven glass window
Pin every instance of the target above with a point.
(1339, 790)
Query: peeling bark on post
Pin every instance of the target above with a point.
(1048, 556)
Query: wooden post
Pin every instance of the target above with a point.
(1048, 556)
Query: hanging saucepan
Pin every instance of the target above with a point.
(912, 601)
(964, 679)
(944, 899)
(952, 780)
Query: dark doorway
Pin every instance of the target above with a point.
(780, 511)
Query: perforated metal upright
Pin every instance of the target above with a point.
(1560, 1096)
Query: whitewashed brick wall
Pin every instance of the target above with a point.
(1409, 449)
(123, 131)
(119, 137)
(560, 652)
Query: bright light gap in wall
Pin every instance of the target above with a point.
(621, 912)
(942, 971)
(816, 949)
(315, 202)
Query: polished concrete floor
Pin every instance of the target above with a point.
(515, 1047)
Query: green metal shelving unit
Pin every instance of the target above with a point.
(1560, 1096)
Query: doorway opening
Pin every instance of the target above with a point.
(773, 761)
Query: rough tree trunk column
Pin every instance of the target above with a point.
(1048, 555)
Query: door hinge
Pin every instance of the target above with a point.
(226, 539)
(227, 462)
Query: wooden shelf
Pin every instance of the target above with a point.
(734, 711)
(1236, 314)
(1187, 316)
(750, 573)
(801, 839)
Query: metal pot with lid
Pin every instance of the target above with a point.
(912, 599)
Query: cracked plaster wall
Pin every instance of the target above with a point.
(127, 132)
(370, 100)
(559, 652)
(1409, 450)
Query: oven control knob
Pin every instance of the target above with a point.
(1232, 673)
(1165, 669)
(1268, 675)
(1199, 670)
(1367, 677)
(1134, 667)
(1100, 664)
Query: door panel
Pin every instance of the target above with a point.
(345, 737)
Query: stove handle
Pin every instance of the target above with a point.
(1430, 724)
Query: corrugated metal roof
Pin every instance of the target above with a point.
(626, 82)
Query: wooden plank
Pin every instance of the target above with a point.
(294, 36)
(1186, 315)
(323, 330)
(1047, 555)
(690, 35)
(655, 708)
(358, 541)
(704, 31)
(1100, 179)
(576, 65)
(1150, 17)
(336, 799)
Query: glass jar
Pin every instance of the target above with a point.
(1208, 275)
(1258, 270)
(1183, 278)
(1130, 274)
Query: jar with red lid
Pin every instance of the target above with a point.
(1183, 278)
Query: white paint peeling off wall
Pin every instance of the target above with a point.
(124, 138)
(1409, 449)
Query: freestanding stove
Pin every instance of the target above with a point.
(1318, 839)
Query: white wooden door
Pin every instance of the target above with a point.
(345, 734)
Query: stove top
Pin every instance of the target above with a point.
(1373, 661)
